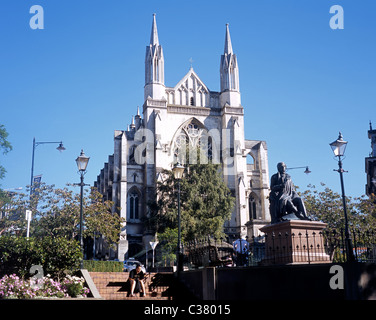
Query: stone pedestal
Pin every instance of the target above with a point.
(295, 242)
(122, 249)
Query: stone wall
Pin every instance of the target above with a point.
(285, 282)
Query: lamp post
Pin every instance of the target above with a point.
(28, 219)
(35, 144)
(82, 161)
(153, 244)
(178, 171)
(306, 171)
(338, 147)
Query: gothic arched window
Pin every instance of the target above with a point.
(156, 69)
(191, 137)
(133, 205)
(252, 208)
(131, 159)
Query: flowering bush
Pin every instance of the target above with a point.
(12, 287)
(74, 286)
(47, 287)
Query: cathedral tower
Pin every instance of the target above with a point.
(229, 72)
(154, 66)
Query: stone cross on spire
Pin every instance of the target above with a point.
(191, 61)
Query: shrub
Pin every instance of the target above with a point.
(13, 287)
(60, 255)
(47, 287)
(18, 254)
(103, 266)
(55, 255)
(74, 286)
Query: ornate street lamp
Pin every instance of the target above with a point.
(82, 162)
(338, 147)
(178, 171)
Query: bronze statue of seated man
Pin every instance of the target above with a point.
(285, 203)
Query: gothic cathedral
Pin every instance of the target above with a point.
(175, 118)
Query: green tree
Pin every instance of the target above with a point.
(367, 205)
(56, 255)
(56, 213)
(168, 243)
(206, 202)
(327, 206)
(5, 147)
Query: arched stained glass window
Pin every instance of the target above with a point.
(133, 205)
(192, 136)
(252, 208)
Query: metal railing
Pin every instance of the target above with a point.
(363, 245)
(321, 247)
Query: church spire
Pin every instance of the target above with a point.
(154, 66)
(228, 45)
(229, 73)
(154, 33)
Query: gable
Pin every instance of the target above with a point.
(191, 81)
(190, 91)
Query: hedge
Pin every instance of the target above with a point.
(103, 266)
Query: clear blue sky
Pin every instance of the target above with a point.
(82, 77)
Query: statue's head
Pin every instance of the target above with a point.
(281, 166)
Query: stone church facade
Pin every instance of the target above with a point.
(174, 120)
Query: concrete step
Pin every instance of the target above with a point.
(112, 286)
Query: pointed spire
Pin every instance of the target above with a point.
(228, 45)
(154, 67)
(154, 32)
(132, 126)
(229, 74)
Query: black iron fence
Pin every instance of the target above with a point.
(363, 245)
(321, 247)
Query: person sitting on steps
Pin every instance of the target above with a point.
(136, 280)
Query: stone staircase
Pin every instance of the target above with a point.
(112, 286)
